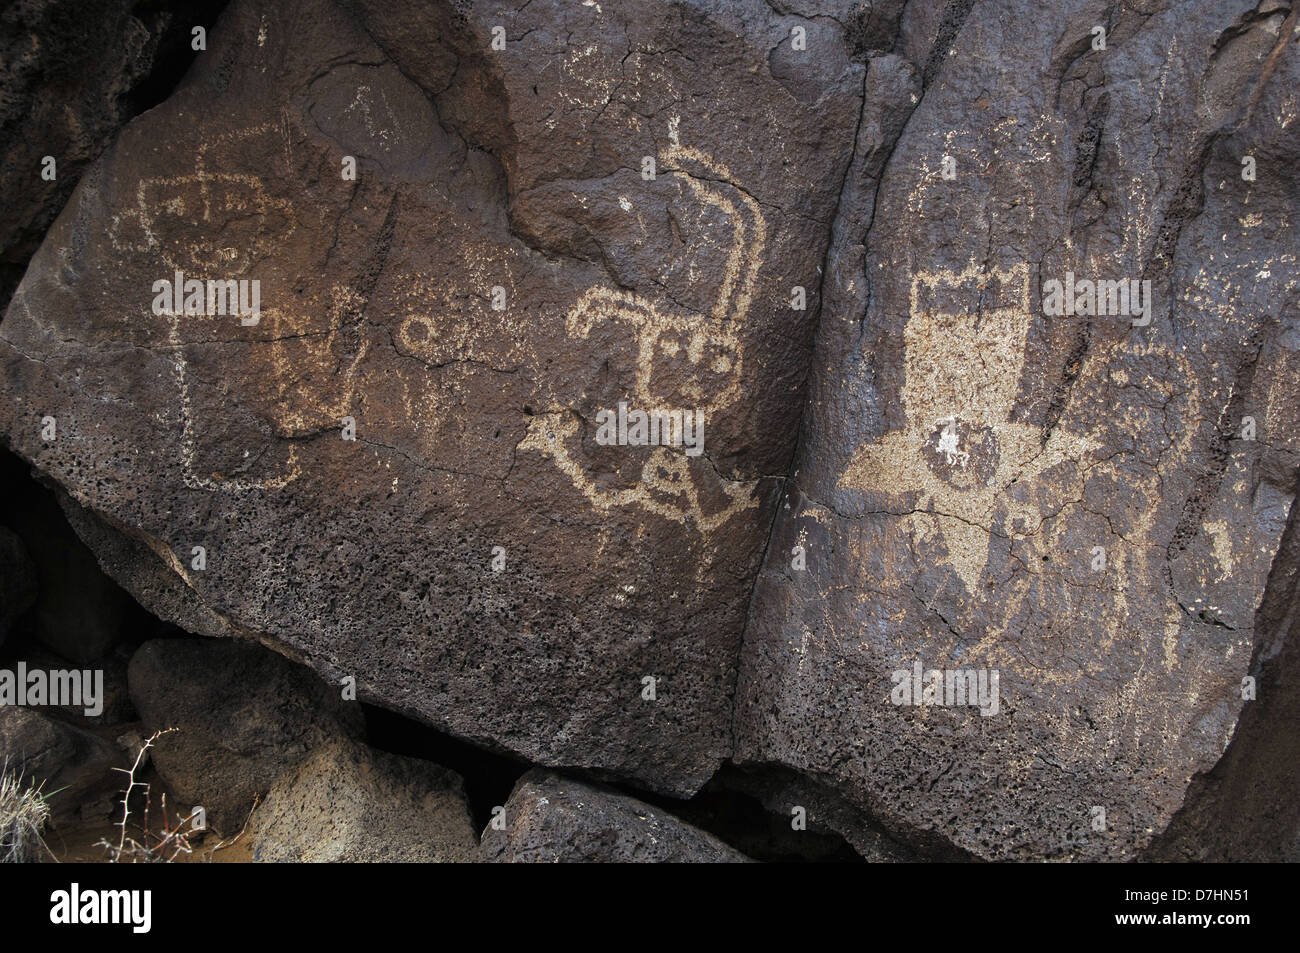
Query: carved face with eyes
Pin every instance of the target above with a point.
(691, 365)
(684, 359)
(179, 219)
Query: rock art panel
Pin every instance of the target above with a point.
(1068, 499)
(473, 557)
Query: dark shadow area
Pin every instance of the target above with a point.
(175, 51)
(76, 614)
(732, 816)
(743, 822)
(489, 777)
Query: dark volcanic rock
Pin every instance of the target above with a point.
(550, 819)
(519, 169)
(71, 73)
(73, 767)
(351, 803)
(136, 562)
(930, 466)
(966, 451)
(1245, 809)
(244, 716)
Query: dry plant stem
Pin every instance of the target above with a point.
(132, 784)
(171, 843)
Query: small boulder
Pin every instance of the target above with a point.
(551, 819)
(72, 766)
(244, 716)
(348, 802)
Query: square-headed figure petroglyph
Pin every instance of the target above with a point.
(964, 352)
(216, 224)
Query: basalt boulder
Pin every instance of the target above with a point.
(350, 803)
(551, 819)
(72, 767)
(234, 717)
(1067, 511)
(613, 207)
(989, 313)
(71, 74)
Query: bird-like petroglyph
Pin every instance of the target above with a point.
(670, 339)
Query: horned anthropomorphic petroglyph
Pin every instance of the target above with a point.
(703, 352)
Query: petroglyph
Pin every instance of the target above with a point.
(669, 338)
(961, 450)
(310, 353)
(214, 225)
(964, 475)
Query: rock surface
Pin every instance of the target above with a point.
(244, 716)
(71, 74)
(350, 803)
(926, 466)
(373, 557)
(73, 767)
(966, 452)
(551, 819)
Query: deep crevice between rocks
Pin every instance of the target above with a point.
(63, 29)
(720, 808)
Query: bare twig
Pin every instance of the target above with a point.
(170, 843)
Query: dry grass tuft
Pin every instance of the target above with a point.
(23, 813)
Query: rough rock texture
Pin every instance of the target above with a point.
(244, 716)
(133, 561)
(550, 819)
(351, 803)
(17, 580)
(476, 169)
(71, 74)
(964, 452)
(1246, 808)
(925, 466)
(827, 815)
(73, 766)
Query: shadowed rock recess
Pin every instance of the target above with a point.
(991, 313)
